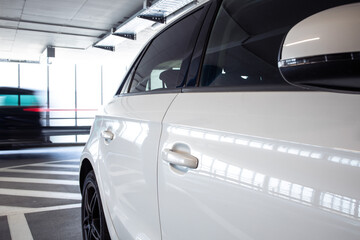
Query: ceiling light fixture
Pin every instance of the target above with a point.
(132, 26)
(163, 8)
(157, 12)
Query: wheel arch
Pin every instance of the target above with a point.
(86, 167)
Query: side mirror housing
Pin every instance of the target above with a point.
(323, 51)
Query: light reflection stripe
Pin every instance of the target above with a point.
(292, 148)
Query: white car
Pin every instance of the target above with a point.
(241, 120)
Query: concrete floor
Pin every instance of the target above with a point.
(39, 194)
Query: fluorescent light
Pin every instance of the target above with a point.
(134, 26)
(140, 21)
(163, 8)
(167, 7)
(108, 42)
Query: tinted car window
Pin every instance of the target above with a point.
(245, 40)
(13, 100)
(9, 100)
(161, 65)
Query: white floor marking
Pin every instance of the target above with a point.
(57, 165)
(40, 194)
(40, 171)
(19, 228)
(8, 210)
(34, 164)
(39, 180)
(71, 160)
(42, 150)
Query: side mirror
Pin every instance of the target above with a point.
(323, 51)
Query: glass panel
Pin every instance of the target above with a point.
(85, 122)
(112, 77)
(82, 138)
(28, 100)
(235, 55)
(62, 91)
(161, 64)
(62, 122)
(33, 76)
(9, 100)
(88, 89)
(63, 139)
(9, 74)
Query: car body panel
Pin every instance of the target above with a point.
(263, 173)
(273, 161)
(127, 165)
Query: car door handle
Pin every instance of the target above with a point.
(180, 158)
(107, 135)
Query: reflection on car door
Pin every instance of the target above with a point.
(258, 176)
(131, 128)
(246, 156)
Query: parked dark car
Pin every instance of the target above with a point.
(19, 118)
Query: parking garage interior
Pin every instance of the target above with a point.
(179, 119)
(72, 56)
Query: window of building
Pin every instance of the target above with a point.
(9, 74)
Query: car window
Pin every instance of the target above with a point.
(245, 40)
(28, 100)
(7, 100)
(228, 60)
(166, 56)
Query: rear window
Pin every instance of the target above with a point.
(7, 100)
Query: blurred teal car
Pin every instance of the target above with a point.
(20, 123)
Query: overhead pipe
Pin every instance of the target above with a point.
(53, 32)
(51, 24)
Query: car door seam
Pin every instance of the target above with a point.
(157, 163)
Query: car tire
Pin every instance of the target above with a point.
(92, 215)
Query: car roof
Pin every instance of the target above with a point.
(12, 90)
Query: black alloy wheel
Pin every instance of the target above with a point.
(92, 215)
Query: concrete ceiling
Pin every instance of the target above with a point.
(27, 27)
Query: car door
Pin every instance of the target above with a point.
(131, 127)
(244, 155)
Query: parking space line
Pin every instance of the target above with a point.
(8, 210)
(40, 194)
(19, 228)
(49, 162)
(70, 160)
(39, 180)
(57, 165)
(40, 171)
